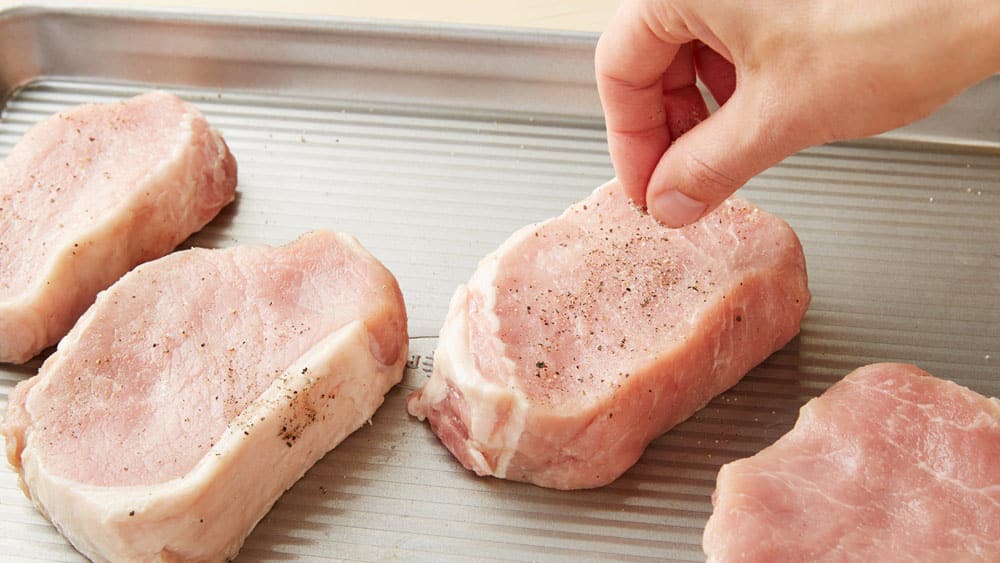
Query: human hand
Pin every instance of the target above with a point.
(787, 75)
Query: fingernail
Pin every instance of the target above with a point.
(674, 209)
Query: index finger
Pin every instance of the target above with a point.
(630, 62)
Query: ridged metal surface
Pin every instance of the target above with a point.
(902, 242)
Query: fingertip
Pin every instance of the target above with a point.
(635, 157)
(675, 209)
(684, 187)
(634, 190)
(707, 164)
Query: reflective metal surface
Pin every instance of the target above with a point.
(432, 145)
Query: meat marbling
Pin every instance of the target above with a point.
(198, 388)
(889, 464)
(584, 337)
(89, 193)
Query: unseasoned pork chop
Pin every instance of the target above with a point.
(889, 464)
(198, 388)
(88, 194)
(584, 337)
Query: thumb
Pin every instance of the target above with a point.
(707, 164)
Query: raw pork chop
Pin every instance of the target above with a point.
(198, 388)
(890, 464)
(584, 337)
(88, 194)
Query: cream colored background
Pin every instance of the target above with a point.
(582, 15)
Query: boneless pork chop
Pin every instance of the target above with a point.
(584, 337)
(889, 464)
(198, 388)
(88, 194)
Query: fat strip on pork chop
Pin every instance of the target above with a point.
(583, 338)
(201, 386)
(889, 464)
(91, 192)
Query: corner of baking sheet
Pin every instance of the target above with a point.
(18, 40)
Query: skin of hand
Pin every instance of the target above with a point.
(787, 74)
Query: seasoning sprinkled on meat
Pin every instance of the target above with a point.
(90, 193)
(604, 310)
(177, 396)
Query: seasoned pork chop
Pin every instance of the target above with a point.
(889, 464)
(584, 337)
(198, 388)
(88, 194)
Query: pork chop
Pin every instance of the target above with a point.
(889, 464)
(584, 337)
(89, 193)
(198, 388)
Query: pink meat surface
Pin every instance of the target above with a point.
(889, 464)
(89, 193)
(583, 338)
(200, 378)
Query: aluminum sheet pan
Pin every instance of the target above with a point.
(433, 144)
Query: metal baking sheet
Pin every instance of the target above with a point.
(431, 145)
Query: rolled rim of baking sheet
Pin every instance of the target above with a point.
(433, 168)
